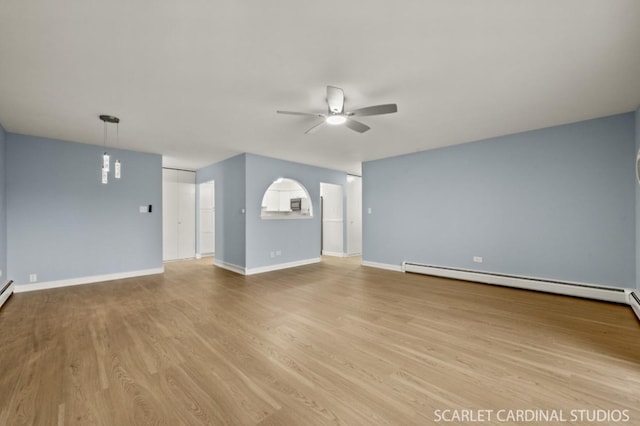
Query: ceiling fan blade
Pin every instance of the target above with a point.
(335, 99)
(314, 114)
(314, 128)
(375, 110)
(356, 125)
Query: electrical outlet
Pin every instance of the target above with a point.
(477, 259)
(273, 254)
(369, 210)
(279, 253)
(33, 278)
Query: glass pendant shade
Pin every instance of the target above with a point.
(117, 167)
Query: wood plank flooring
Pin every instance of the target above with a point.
(330, 343)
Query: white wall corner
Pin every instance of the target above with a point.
(229, 266)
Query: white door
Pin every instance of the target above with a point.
(332, 219)
(354, 215)
(169, 214)
(186, 215)
(178, 214)
(207, 219)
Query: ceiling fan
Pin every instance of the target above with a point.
(336, 114)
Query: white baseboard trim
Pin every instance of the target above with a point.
(378, 265)
(589, 291)
(229, 266)
(201, 255)
(333, 253)
(269, 268)
(634, 301)
(86, 280)
(178, 260)
(7, 290)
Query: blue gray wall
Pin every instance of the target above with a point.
(637, 117)
(63, 223)
(3, 210)
(297, 239)
(555, 203)
(229, 176)
(247, 241)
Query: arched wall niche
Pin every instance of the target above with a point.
(286, 199)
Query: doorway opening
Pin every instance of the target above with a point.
(331, 220)
(178, 214)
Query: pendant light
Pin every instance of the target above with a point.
(106, 160)
(116, 167)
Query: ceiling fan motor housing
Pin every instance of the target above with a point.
(336, 115)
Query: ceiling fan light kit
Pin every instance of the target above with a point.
(336, 119)
(336, 114)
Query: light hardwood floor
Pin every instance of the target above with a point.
(321, 344)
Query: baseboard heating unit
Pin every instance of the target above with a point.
(634, 302)
(609, 294)
(7, 290)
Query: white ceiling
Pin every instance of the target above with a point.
(200, 81)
